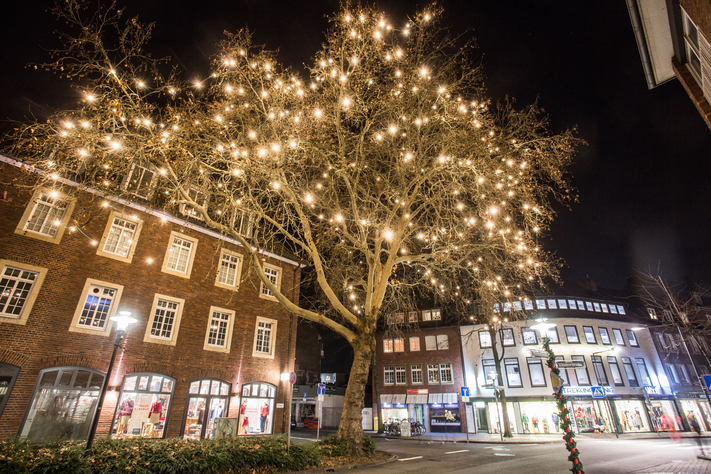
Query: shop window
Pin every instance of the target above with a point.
(273, 273)
(208, 400)
(264, 337)
(143, 406)
(228, 275)
(445, 373)
(671, 373)
(387, 345)
(389, 375)
(164, 320)
(631, 414)
(604, 336)
(484, 339)
(416, 373)
(529, 336)
(535, 372)
(490, 373)
(571, 334)
(629, 371)
(431, 343)
(180, 255)
(589, 335)
(442, 342)
(552, 334)
(619, 339)
(218, 336)
(19, 286)
(615, 371)
(141, 181)
(46, 217)
(582, 375)
(257, 409)
(513, 373)
(399, 344)
(97, 304)
(507, 337)
(643, 372)
(599, 369)
(683, 374)
(63, 404)
(400, 375)
(433, 373)
(412, 317)
(120, 237)
(8, 375)
(632, 338)
(414, 344)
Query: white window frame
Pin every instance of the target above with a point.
(176, 322)
(416, 346)
(244, 228)
(399, 344)
(433, 369)
(106, 330)
(400, 373)
(416, 374)
(151, 186)
(272, 338)
(436, 315)
(430, 343)
(427, 315)
(238, 271)
(389, 370)
(263, 290)
(446, 368)
(191, 258)
(442, 342)
(195, 193)
(388, 345)
(21, 319)
(107, 230)
(412, 317)
(228, 334)
(21, 228)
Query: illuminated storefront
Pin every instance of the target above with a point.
(394, 407)
(495, 415)
(694, 406)
(256, 414)
(208, 399)
(143, 407)
(631, 415)
(539, 417)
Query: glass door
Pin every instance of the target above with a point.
(207, 401)
(195, 419)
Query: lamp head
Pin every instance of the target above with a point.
(123, 320)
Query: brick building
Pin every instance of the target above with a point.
(419, 372)
(209, 339)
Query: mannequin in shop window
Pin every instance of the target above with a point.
(545, 426)
(125, 411)
(245, 421)
(534, 420)
(154, 417)
(525, 420)
(263, 416)
(623, 420)
(556, 421)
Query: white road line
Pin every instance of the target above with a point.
(532, 444)
(410, 459)
(460, 451)
(501, 449)
(504, 454)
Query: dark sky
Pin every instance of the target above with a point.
(642, 179)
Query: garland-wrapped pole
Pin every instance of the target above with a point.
(564, 415)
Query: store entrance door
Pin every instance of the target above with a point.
(202, 412)
(481, 424)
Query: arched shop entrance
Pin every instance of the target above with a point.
(208, 399)
(256, 413)
(143, 406)
(8, 375)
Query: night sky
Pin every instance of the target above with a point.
(642, 178)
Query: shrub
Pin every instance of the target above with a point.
(333, 446)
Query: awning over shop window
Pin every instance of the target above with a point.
(399, 398)
(421, 399)
(443, 398)
(386, 399)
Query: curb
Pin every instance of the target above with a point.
(392, 458)
(472, 441)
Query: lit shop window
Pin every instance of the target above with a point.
(208, 400)
(256, 413)
(143, 407)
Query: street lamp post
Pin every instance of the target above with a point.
(122, 321)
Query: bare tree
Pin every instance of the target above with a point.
(387, 168)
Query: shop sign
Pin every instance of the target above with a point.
(585, 391)
(400, 405)
(689, 395)
(421, 391)
(436, 405)
(296, 389)
(653, 390)
(480, 404)
(280, 405)
(387, 405)
(451, 405)
(541, 354)
(570, 364)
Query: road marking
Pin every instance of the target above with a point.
(460, 451)
(504, 454)
(501, 449)
(532, 444)
(410, 459)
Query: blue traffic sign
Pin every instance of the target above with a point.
(598, 392)
(305, 395)
(322, 389)
(465, 391)
(707, 381)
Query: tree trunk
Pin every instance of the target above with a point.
(504, 422)
(376, 386)
(350, 430)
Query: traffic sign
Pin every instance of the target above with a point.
(292, 378)
(320, 397)
(465, 391)
(540, 353)
(321, 389)
(570, 364)
(556, 380)
(305, 395)
(598, 392)
(707, 381)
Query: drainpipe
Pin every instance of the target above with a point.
(641, 43)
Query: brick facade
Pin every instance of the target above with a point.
(45, 341)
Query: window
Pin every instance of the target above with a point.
(164, 320)
(643, 373)
(581, 374)
(652, 313)
(599, 370)
(219, 330)
(581, 305)
(399, 344)
(604, 308)
(442, 342)
(213, 394)
(387, 345)
(562, 304)
(484, 339)
(528, 305)
(416, 373)
(629, 371)
(704, 343)
(396, 318)
(553, 335)
(535, 372)
(618, 337)
(389, 375)
(431, 343)
(273, 273)
(120, 237)
(696, 45)
(683, 374)
(529, 336)
(632, 338)
(589, 306)
(445, 373)
(97, 304)
(513, 372)
(46, 217)
(19, 286)
(571, 334)
(141, 181)
(8, 375)
(400, 375)
(489, 367)
(692, 379)
(589, 335)
(671, 342)
(200, 198)
(671, 373)
(436, 315)
(597, 308)
(432, 373)
(566, 379)
(517, 306)
(703, 370)
(412, 317)
(604, 336)
(571, 304)
(552, 305)
(180, 255)
(540, 304)
(426, 315)
(507, 336)
(661, 341)
(613, 309)
(414, 344)
(615, 371)
(228, 274)
(621, 309)
(264, 338)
